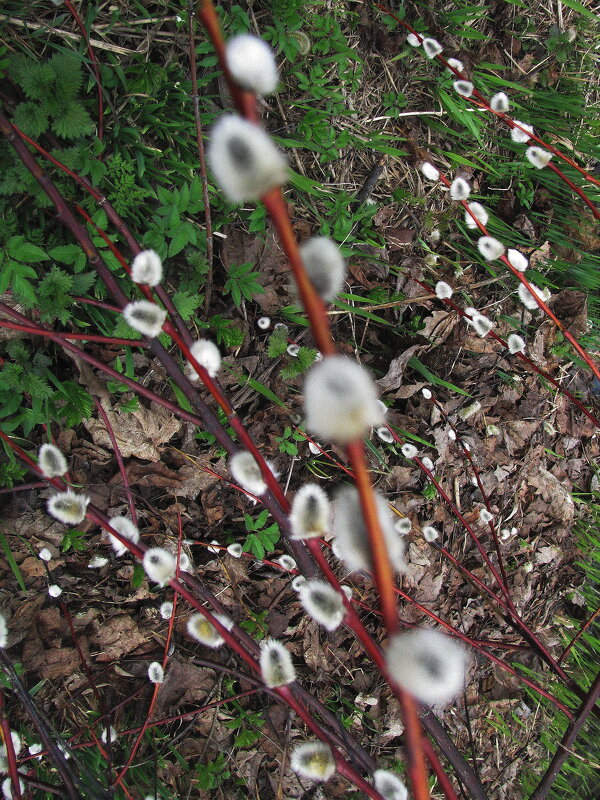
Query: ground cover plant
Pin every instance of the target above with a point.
(299, 391)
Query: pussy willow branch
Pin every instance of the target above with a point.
(10, 751)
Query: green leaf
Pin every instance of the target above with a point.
(575, 6)
(12, 563)
(25, 251)
(73, 122)
(31, 118)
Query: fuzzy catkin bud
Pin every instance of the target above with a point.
(156, 673)
(403, 526)
(235, 550)
(159, 565)
(517, 260)
(127, 529)
(485, 516)
(456, 63)
(409, 450)
(207, 355)
(203, 631)
(537, 156)
(322, 603)
(527, 298)
(499, 103)
(463, 88)
(459, 189)
(431, 47)
(429, 171)
(166, 609)
(519, 136)
(482, 325)
(276, 664)
(51, 461)
(515, 344)
(286, 562)
(479, 212)
(3, 632)
(490, 248)
(352, 538)
(413, 40)
(313, 760)
(430, 534)
(251, 63)
(389, 785)
(244, 159)
(340, 400)
(427, 664)
(324, 265)
(245, 471)
(443, 290)
(146, 268)
(68, 507)
(145, 317)
(309, 517)
(468, 411)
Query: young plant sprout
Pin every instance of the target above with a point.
(519, 136)
(146, 268)
(245, 471)
(244, 159)
(456, 63)
(430, 534)
(51, 461)
(480, 213)
(517, 259)
(207, 354)
(203, 631)
(490, 248)
(127, 529)
(431, 47)
(68, 507)
(251, 63)
(538, 157)
(145, 317)
(429, 171)
(463, 88)
(313, 760)
(459, 189)
(322, 603)
(276, 664)
(340, 400)
(159, 565)
(324, 265)
(516, 344)
(500, 103)
(351, 536)
(45, 554)
(409, 450)
(235, 550)
(389, 785)
(156, 673)
(427, 664)
(443, 291)
(166, 609)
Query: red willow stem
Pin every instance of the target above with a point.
(94, 63)
(80, 337)
(119, 457)
(579, 633)
(13, 770)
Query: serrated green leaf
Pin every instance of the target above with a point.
(21, 250)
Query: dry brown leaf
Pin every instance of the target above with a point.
(393, 377)
(138, 433)
(439, 326)
(117, 636)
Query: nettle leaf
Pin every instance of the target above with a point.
(277, 343)
(77, 404)
(73, 122)
(36, 80)
(186, 303)
(67, 74)
(31, 118)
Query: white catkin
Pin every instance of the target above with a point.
(244, 159)
(428, 664)
(490, 248)
(203, 631)
(516, 344)
(519, 136)
(145, 317)
(517, 259)
(245, 471)
(385, 434)
(146, 268)
(485, 516)
(427, 462)
(459, 189)
(324, 265)
(468, 411)
(481, 214)
(409, 450)
(51, 461)
(323, 603)
(235, 550)
(500, 103)
(482, 325)
(313, 760)
(207, 354)
(413, 40)
(45, 554)
(537, 156)
(286, 562)
(429, 171)
(251, 63)
(97, 562)
(156, 673)
(276, 664)
(527, 298)
(108, 734)
(340, 400)
(456, 63)
(127, 529)
(426, 393)
(68, 507)
(159, 565)
(403, 526)
(431, 47)
(264, 323)
(166, 609)
(463, 88)
(389, 785)
(430, 534)
(3, 631)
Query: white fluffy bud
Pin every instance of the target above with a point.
(389, 785)
(324, 265)
(431, 47)
(403, 526)
(207, 355)
(235, 550)
(430, 534)
(276, 664)
(490, 248)
(480, 212)
(145, 317)
(527, 298)
(322, 603)
(499, 103)
(427, 664)
(51, 461)
(459, 189)
(340, 400)
(482, 325)
(159, 565)
(166, 609)
(463, 88)
(251, 63)
(537, 156)
(485, 516)
(108, 734)
(156, 673)
(351, 535)
(313, 760)
(516, 344)
(519, 136)
(244, 159)
(3, 631)
(517, 259)
(245, 471)
(443, 290)
(203, 631)
(409, 450)
(309, 517)
(429, 171)
(413, 40)
(68, 507)
(456, 63)
(146, 268)
(127, 529)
